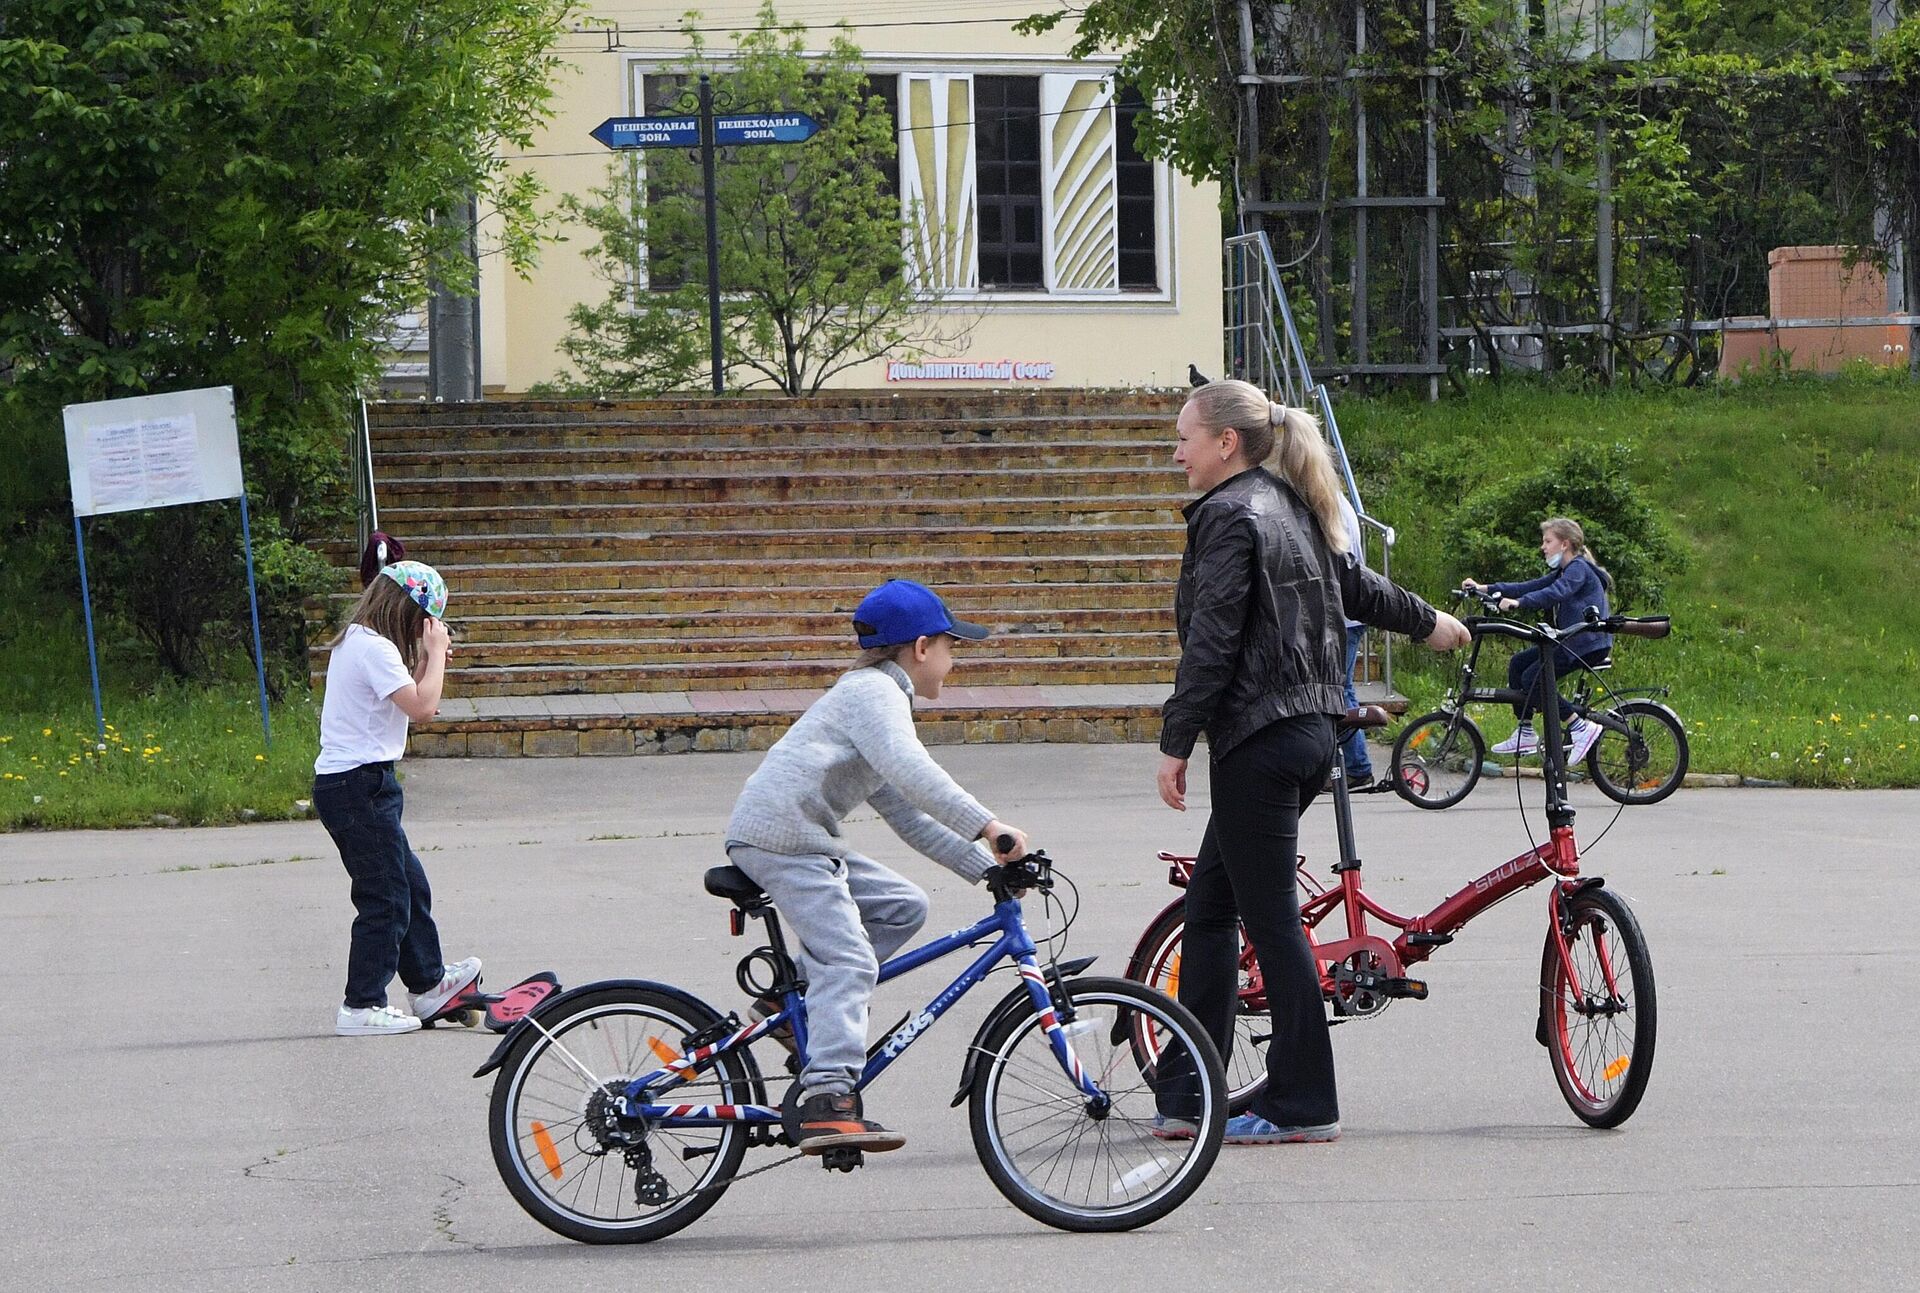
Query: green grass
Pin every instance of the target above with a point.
(1796, 647)
(193, 753)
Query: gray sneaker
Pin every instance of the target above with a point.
(1252, 1129)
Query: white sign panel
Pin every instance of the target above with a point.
(153, 451)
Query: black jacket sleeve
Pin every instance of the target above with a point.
(1373, 599)
(1224, 556)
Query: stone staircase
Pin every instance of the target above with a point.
(656, 576)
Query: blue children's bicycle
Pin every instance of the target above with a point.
(622, 1109)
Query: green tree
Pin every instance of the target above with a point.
(812, 270)
(212, 192)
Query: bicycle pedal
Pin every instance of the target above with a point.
(1413, 988)
(1429, 940)
(842, 1159)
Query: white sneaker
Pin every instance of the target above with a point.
(1582, 735)
(452, 979)
(1523, 741)
(371, 1021)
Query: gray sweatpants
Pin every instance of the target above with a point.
(849, 913)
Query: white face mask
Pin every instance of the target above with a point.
(1553, 562)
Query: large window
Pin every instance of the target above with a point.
(1138, 185)
(1006, 132)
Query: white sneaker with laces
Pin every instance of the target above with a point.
(453, 978)
(373, 1021)
(1582, 734)
(1523, 741)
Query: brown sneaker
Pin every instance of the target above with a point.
(780, 1035)
(829, 1121)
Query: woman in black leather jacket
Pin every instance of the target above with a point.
(1266, 587)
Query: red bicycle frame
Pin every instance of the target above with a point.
(1558, 856)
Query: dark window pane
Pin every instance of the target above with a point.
(1007, 168)
(1139, 260)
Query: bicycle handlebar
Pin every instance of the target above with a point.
(1007, 880)
(1492, 625)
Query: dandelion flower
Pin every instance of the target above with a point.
(46, 731)
(259, 758)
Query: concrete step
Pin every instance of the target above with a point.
(666, 434)
(571, 576)
(736, 675)
(880, 405)
(1009, 604)
(697, 653)
(477, 488)
(900, 460)
(922, 544)
(585, 518)
(761, 626)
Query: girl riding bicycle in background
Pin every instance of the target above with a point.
(1574, 583)
(855, 745)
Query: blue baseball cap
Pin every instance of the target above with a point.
(900, 611)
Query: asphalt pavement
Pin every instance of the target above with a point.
(180, 1117)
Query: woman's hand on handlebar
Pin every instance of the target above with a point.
(1509, 604)
(1471, 585)
(1008, 843)
(1447, 634)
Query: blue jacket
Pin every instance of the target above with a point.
(1570, 590)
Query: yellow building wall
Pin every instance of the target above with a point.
(1114, 341)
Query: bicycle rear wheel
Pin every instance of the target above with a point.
(1156, 963)
(571, 1162)
(1437, 758)
(1078, 1167)
(1598, 1015)
(1647, 762)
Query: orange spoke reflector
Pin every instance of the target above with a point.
(1419, 738)
(548, 1154)
(1173, 977)
(665, 1052)
(1616, 1068)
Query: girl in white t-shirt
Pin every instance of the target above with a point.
(388, 666)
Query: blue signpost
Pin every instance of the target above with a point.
(708, 132)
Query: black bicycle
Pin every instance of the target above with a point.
(1640, 756)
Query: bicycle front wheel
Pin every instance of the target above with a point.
(1075, 1165)
(1156, 963)
(1645, 763)
(1597, 1009)
(570, 1161)
(1437, 758)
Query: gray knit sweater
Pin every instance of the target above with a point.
(855, 744)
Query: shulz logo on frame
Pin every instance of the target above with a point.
(1511, 869)
(991, 370)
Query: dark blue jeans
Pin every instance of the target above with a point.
(1353, 746)
(393, 930)
(1523, 675)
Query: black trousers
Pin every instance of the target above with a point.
(1245, 877)
(393, 929)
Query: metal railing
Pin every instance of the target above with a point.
(360, 465)
(1263, 347)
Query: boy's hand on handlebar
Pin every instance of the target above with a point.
(1447, 634)
(999, 835)
(1173, 782)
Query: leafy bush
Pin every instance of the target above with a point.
(1495, 530)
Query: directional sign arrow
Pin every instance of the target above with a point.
(764, 128)
(649, 132)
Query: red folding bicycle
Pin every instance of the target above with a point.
(1597, 1010)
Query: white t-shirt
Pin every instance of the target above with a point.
(358, 723)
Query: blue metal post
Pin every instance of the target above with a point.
(93, 659)
(253, 600)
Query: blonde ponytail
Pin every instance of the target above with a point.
(1285, 440)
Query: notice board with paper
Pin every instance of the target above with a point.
(153, 451)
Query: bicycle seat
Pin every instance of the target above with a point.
(1365, 716)
(732, 883)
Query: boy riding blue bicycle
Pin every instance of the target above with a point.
(856, 744)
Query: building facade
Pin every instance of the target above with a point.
(1067, 259)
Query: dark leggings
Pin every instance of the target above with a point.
(1245, 878)
(1523, 675)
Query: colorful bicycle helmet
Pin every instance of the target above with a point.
(422, 583)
